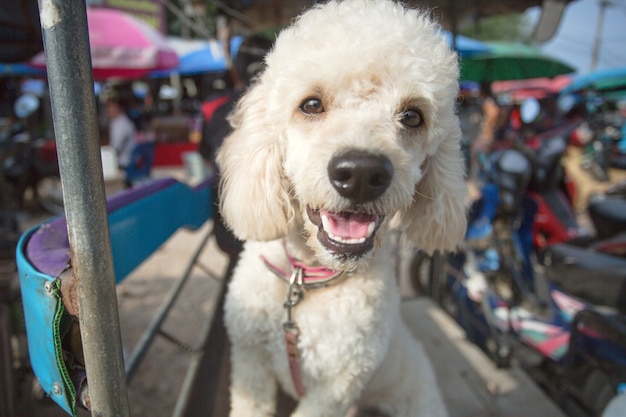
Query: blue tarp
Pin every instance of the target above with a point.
(19, 69)
(588, 80)
(467, 46)
(208, 59)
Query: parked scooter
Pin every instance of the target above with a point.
(30, 163)
(23, 163)
(607, 212)
(601, 137)
(553, 192)
(551, 189)
(515, 308)
(576, 265)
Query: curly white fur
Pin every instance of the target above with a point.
(367, 62)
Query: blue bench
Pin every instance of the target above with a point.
(140, 220)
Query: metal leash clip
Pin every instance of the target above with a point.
(294, 293)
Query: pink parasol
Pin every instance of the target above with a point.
(534, 87)
(122, 46)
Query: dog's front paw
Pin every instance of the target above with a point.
(253, 387)
(315, 405)
(249, 406)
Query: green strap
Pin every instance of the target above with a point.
(68, 385)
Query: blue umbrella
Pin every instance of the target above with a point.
(467, 46)
(211, 58)
(597, 79)
(7, 70)
(208, 59)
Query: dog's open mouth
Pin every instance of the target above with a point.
(346, 233)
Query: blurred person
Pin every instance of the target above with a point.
(215, 110)
(491, 117)
(122, 131)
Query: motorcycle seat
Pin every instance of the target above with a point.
(615, 245)
(595, 277)
(608, 215)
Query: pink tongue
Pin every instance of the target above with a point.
(348, 225)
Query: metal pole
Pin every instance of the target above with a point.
(595, 53)
(66, 43)
(455, 21)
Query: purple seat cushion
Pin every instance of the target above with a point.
(48, 249)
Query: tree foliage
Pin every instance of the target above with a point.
(509, 27)
(201, 13)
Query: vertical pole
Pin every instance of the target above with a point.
(68, 61)
(454, 22)
(595, 53)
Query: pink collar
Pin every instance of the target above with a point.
(312, 276)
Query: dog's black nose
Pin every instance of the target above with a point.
(359, 175)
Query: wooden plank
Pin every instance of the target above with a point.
(470, 383)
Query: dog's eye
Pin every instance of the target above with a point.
(411, 118)
(312, 106)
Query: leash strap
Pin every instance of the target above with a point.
(292, 332)
(302, 278)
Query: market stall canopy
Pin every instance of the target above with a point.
(603, 80)
(20, 32)
(262, 14)
(122, 46)
(511, 61)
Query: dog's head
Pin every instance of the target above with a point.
(351, 125)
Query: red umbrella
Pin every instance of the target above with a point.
(122, 46)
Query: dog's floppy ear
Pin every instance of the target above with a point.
(437, 218)
(254, 198)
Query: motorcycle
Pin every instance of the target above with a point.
(23, 163)
(607, 212)
(601, 137)
(551, 189)
(515, 307)
(29, 163)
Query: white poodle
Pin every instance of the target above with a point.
(350, 131)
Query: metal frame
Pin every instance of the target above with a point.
(74, 116)
(49, 285)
